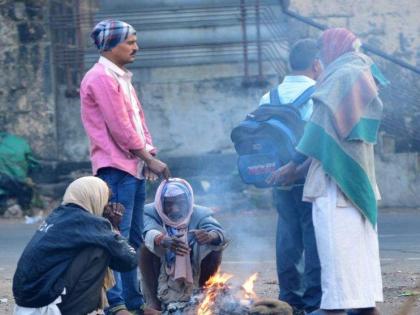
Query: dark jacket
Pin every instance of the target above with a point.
(38, 279)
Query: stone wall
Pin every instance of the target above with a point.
(26, 98)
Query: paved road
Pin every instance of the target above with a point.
(399, 234)
(399, 237)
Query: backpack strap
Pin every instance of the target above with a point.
(274, 96)
(304, 97)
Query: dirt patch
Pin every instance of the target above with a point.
(395, 286)
(6, 292)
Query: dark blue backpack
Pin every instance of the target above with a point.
(267, 138)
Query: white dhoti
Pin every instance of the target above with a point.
(349, 254)
(51, 309)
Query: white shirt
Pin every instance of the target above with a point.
(290, 89)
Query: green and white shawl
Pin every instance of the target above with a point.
(343, 129)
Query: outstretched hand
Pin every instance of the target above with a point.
(204, 237)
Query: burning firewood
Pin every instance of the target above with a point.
(222, 299)
(218, 297)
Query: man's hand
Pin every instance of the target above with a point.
(302, 169)
(158, 167)
(176, 245)
(148, 174)
(203, 237)
(114, 211)
(153, 164)
(285, 175)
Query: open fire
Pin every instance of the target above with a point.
(218, 297)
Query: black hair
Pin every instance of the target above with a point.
(303, 54)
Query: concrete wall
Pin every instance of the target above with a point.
(393, 27)
(191, 86)
(389, 25)
(27, 105)
(207, 86)
(211, 92)
(398, 178)
(191, 108)
(193, 111)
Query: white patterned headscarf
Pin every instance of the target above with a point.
(109, 33)
(172, 188)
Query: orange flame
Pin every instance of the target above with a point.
(211, 289)
(218, 279)
(248, 286)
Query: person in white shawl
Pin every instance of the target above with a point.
(183, 245)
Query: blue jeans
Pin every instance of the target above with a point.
(130, 192)
(295, 241)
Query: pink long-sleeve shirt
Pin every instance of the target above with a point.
(113, 118)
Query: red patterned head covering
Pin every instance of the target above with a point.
(335, 42)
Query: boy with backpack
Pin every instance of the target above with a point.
(295, 232)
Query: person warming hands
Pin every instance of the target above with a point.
(183, 245)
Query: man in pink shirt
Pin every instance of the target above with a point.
(121, 148)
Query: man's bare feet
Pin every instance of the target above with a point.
(123, 312)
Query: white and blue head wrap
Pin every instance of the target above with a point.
(109, 33)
